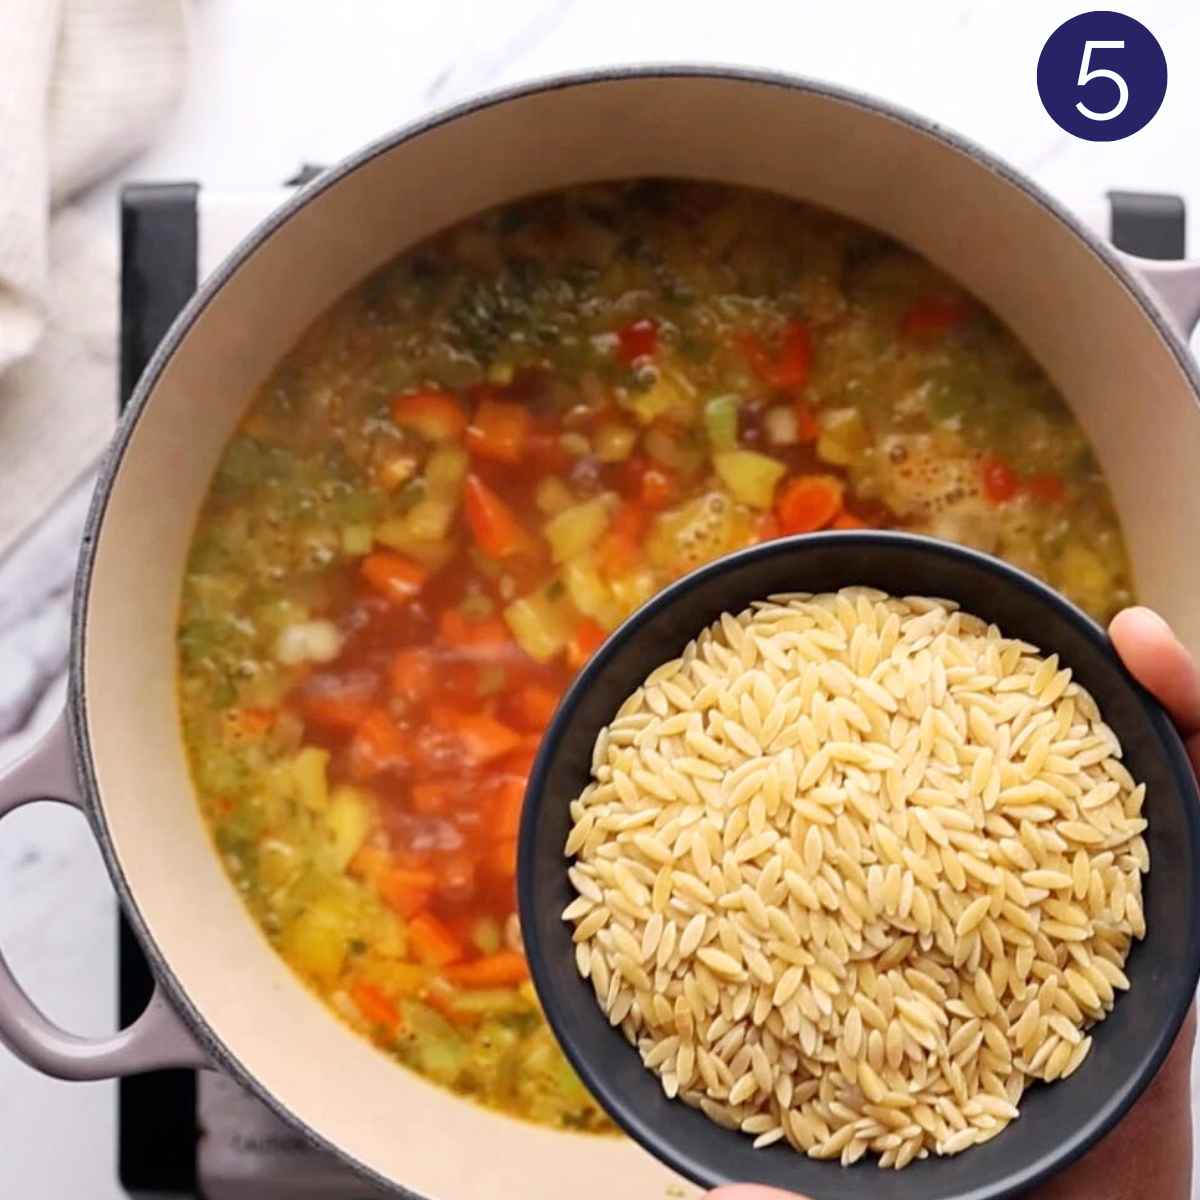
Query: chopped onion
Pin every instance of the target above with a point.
(308, 641)
(782, 427)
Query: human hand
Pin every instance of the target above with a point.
(1150, 1152)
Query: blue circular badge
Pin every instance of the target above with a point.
(1102, 76)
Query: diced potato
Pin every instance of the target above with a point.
(843, 437)
(633, 590)
(590, 593)
(357, 540)
(445, 471)
(577, 529)
(309, 772)
(672, 394)
(678, 449)
(500, 374)
(540, 624)
(749, 476)
(395, 534)
(315, 942)
(308, 641)
(430, 519)
(614, 442)
(278, 862)
(553, 495)
(348, 821)
(782, 425)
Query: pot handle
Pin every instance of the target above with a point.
(1175, 284)
(158, 1038)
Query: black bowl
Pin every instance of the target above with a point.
(1058, 1122)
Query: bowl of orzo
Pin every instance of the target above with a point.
(862, 848)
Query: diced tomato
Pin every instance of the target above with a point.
(379, 744)
(766, 528)
(500, 430)
(932, 316)
(807, 429)
(433, 941)
(393, 576)
(585, 641)
(533, 706)
(429, 799)
(338, 701)
(495, 527)
(546, 455)
(1049, 489)
(435, 415)
(808, 503)
(459, 683)
(374, 1005)
(638, 339)
(503, 858)
(787, 369)
(412, 674)
(483, 738)
(510, 797)
(1000, 483)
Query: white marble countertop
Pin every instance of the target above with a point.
(280, 82)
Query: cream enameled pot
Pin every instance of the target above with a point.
(1108, 330)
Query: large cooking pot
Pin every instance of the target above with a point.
(225, 998)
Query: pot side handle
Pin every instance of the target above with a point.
(158, 1038)
(1175, 284)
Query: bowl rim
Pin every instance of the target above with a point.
(1081, 1138)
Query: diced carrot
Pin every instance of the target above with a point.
(808, 502)
(638, 339)
(412, 674)
(533, 705)
(406, 889)
(435, 415)
(933, 316)
(483, 738)
(379, 744)
(491, 633)
(503, 858)
(849, 521)
(617, 553)
(433, 942)
(520, 762)
(500, 430)
(494, 525)
(999, 480)
(585, 641)
(1047, 488)
(338, 701)
(510, 798)
(503, 969)
(251, 722)
(807, 429)
(393, 575)
(374, 1005)
(369, 863)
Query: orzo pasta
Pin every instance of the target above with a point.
(854, 871)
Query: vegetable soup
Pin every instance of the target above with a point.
(479, 462)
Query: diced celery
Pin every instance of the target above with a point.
(577, 528)
(721, 422)
(590, 593)
(348, 821)
(749, 476)
(489, 1001)
(613, 442)
(308, 772)
(540, 624)
(553, 495)
(357, 540)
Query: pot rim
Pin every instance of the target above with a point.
(209, 290)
